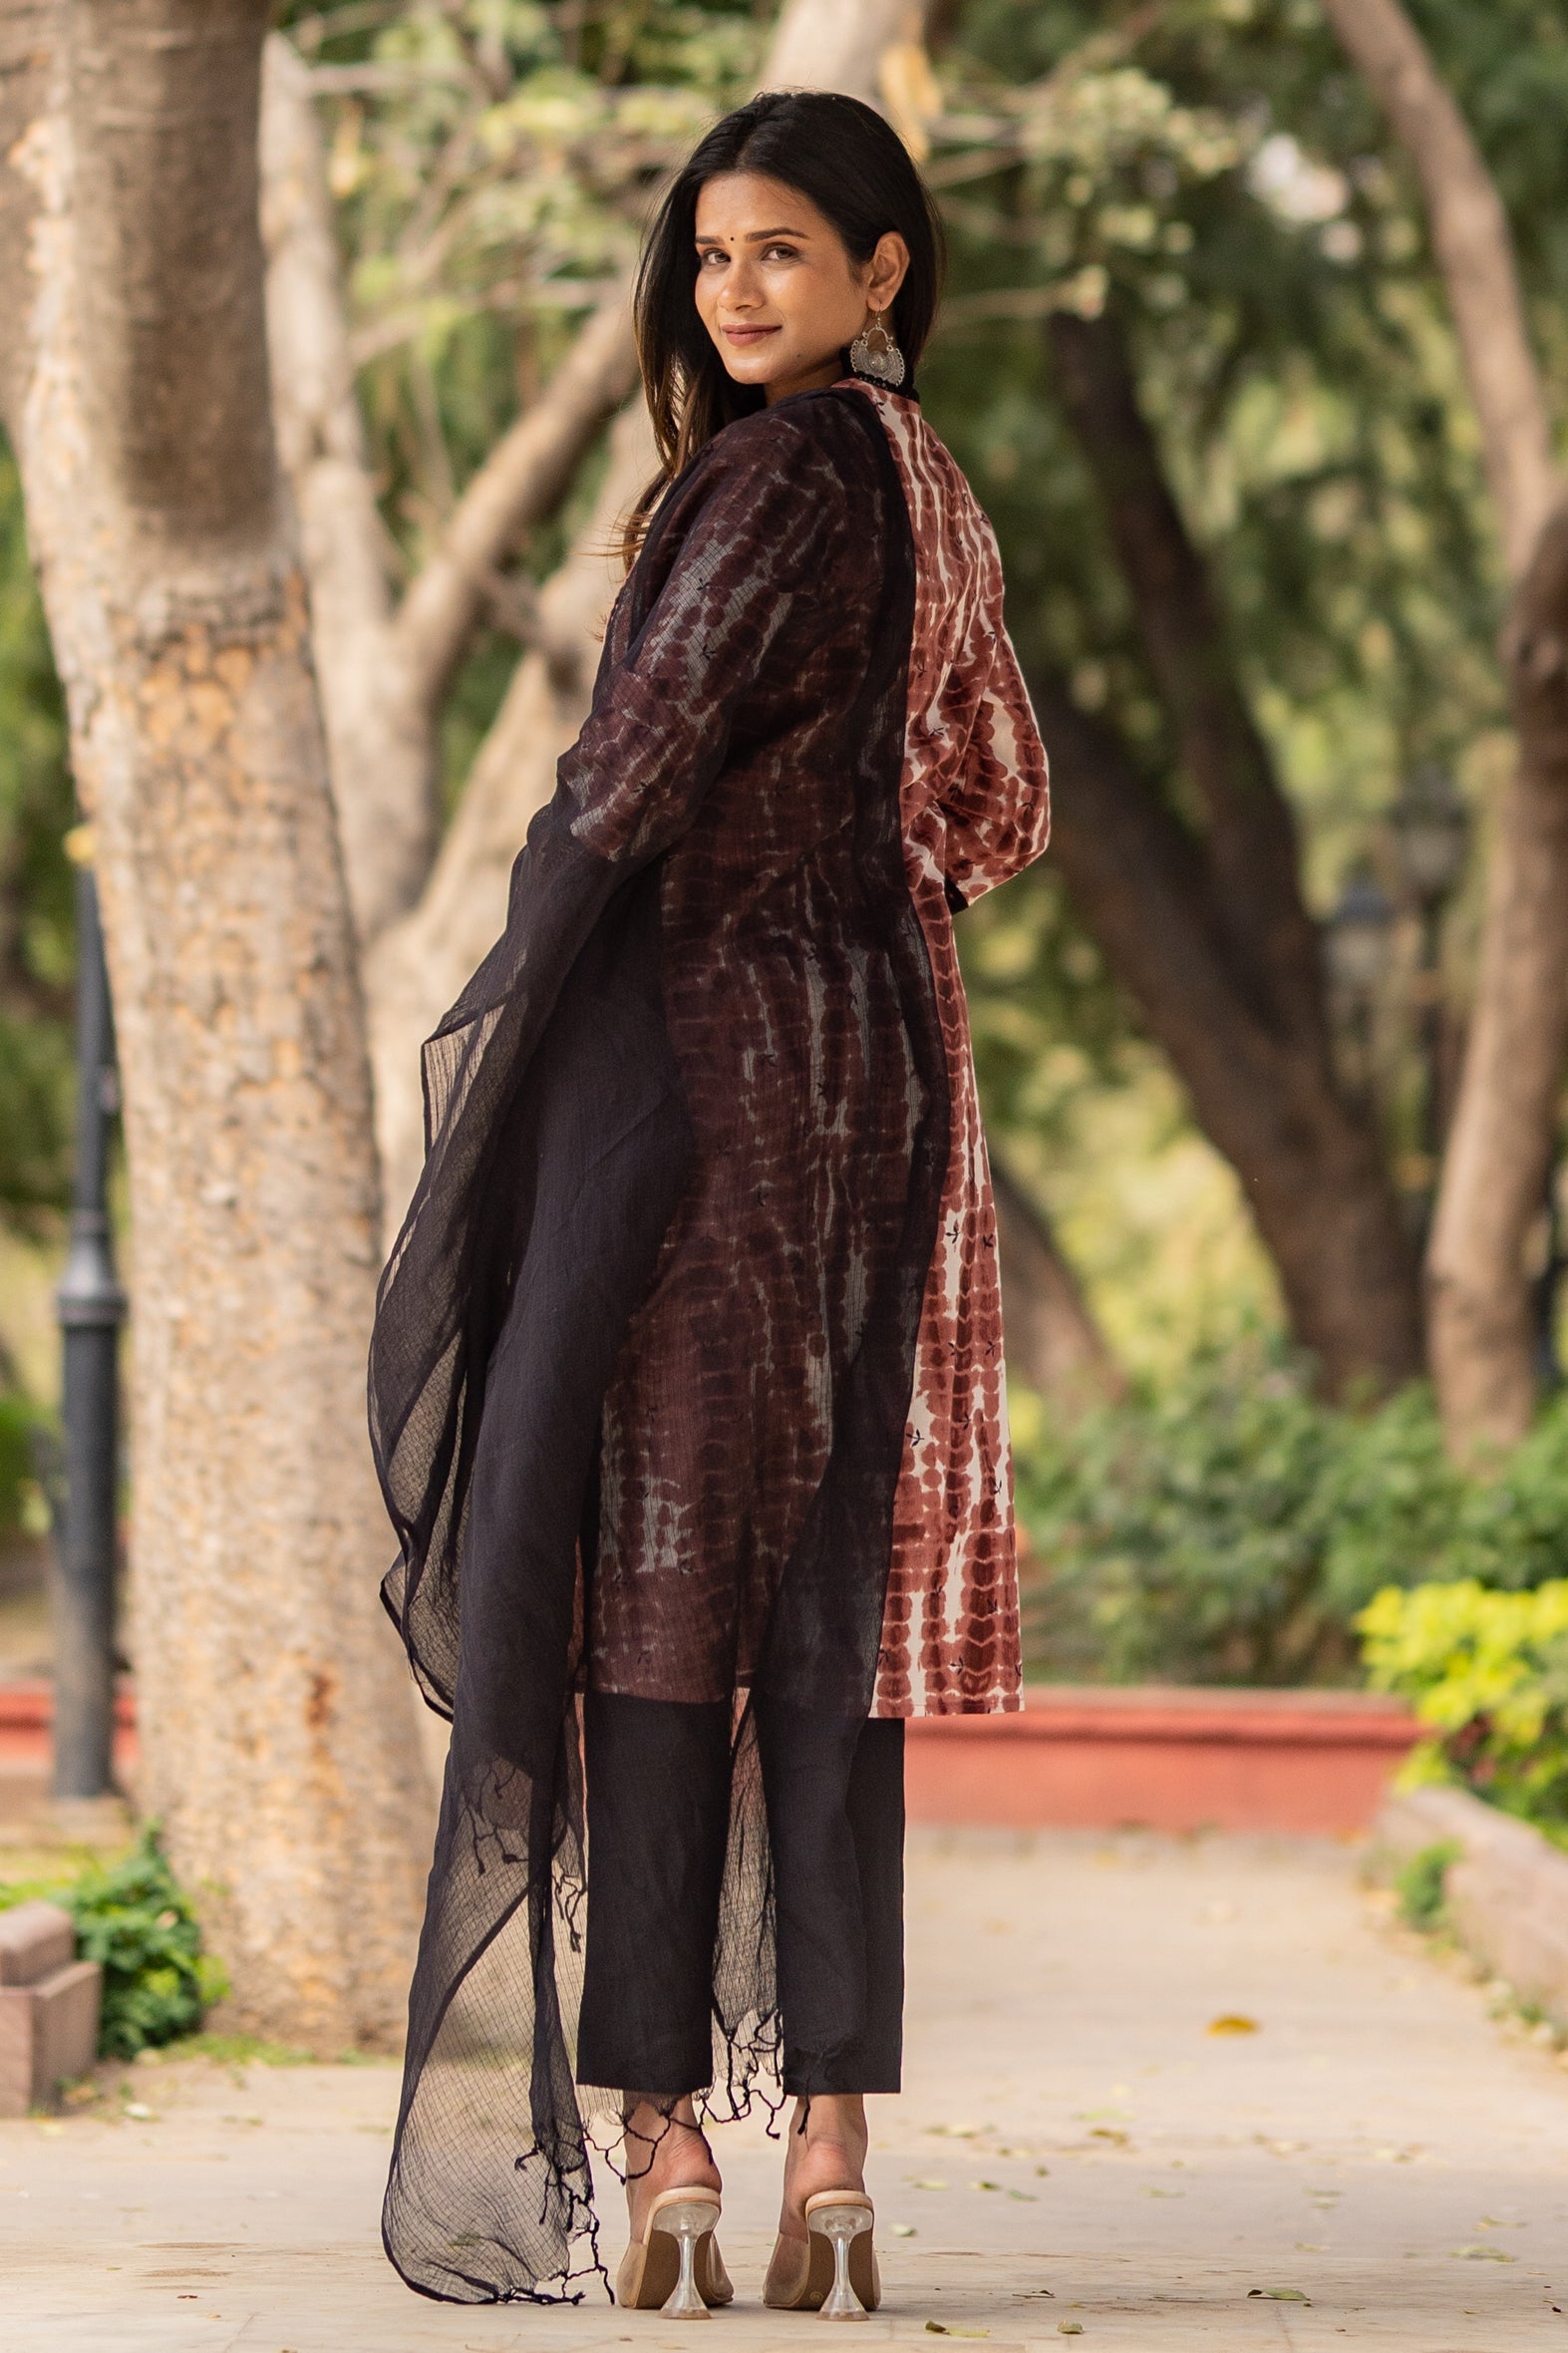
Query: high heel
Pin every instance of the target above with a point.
(676, 2267)
(833, 2269)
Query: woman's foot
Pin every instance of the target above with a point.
(828, 2154)
(664, 2149)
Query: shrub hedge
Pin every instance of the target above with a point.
(1229, 1527)
(1488, 1674)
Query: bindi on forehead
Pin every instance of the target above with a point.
(750, 236)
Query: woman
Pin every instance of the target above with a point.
(689, 1352)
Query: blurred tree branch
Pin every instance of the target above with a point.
(1312, 1175)
(1250, 835)
(385, 666)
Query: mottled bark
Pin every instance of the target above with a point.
(1053, 1340)
(26, 59)
(1503, 1136)
(277, 1725)
(1503, 1131)
(1209, 931)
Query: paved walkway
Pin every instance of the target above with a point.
(1077, 2151)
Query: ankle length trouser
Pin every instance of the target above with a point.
(658, 1820)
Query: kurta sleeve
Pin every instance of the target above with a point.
(750, 536)
(998, 809)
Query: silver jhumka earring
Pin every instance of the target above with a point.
(874, 353)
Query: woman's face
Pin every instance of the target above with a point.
(777, 288)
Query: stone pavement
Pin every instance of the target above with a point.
(1075, 2153)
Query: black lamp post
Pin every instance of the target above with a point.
(1356, 941)
(1431, 831)
(91, 1307)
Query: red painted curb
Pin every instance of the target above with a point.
(1078, 1756)
(27, 1715)
(1171, 1758)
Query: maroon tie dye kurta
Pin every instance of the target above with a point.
(718, 1423)
(687, 1370)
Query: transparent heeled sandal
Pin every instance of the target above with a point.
(676, 2267)
(833, 2271)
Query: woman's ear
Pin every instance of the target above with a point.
(889, 266)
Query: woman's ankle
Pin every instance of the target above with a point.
(664, 2147)
(836, 2117)
(825, 2150)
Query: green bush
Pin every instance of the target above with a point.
(1228, 1527)
(134, 1917)
(1488, 1674)
(1422, 1884)
(17, 1422)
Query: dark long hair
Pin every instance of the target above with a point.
(848, 162)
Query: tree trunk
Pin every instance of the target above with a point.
(1503, 1133)
(1311, 1173)
(1052, 1341)
(1502, 1144)
(1210, 933)
(278, 1744)
(1474, 252)
(383, 767)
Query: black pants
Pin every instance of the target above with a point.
(658, 1824)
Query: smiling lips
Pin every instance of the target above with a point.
(747, 334)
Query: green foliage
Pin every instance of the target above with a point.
(1229, 1527)
(1488, 1674)
(1179, 1534)
(134, 1917)
(18, 1486)
(37, 936)
(1422, 1885)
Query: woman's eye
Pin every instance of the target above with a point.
(780, 254)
